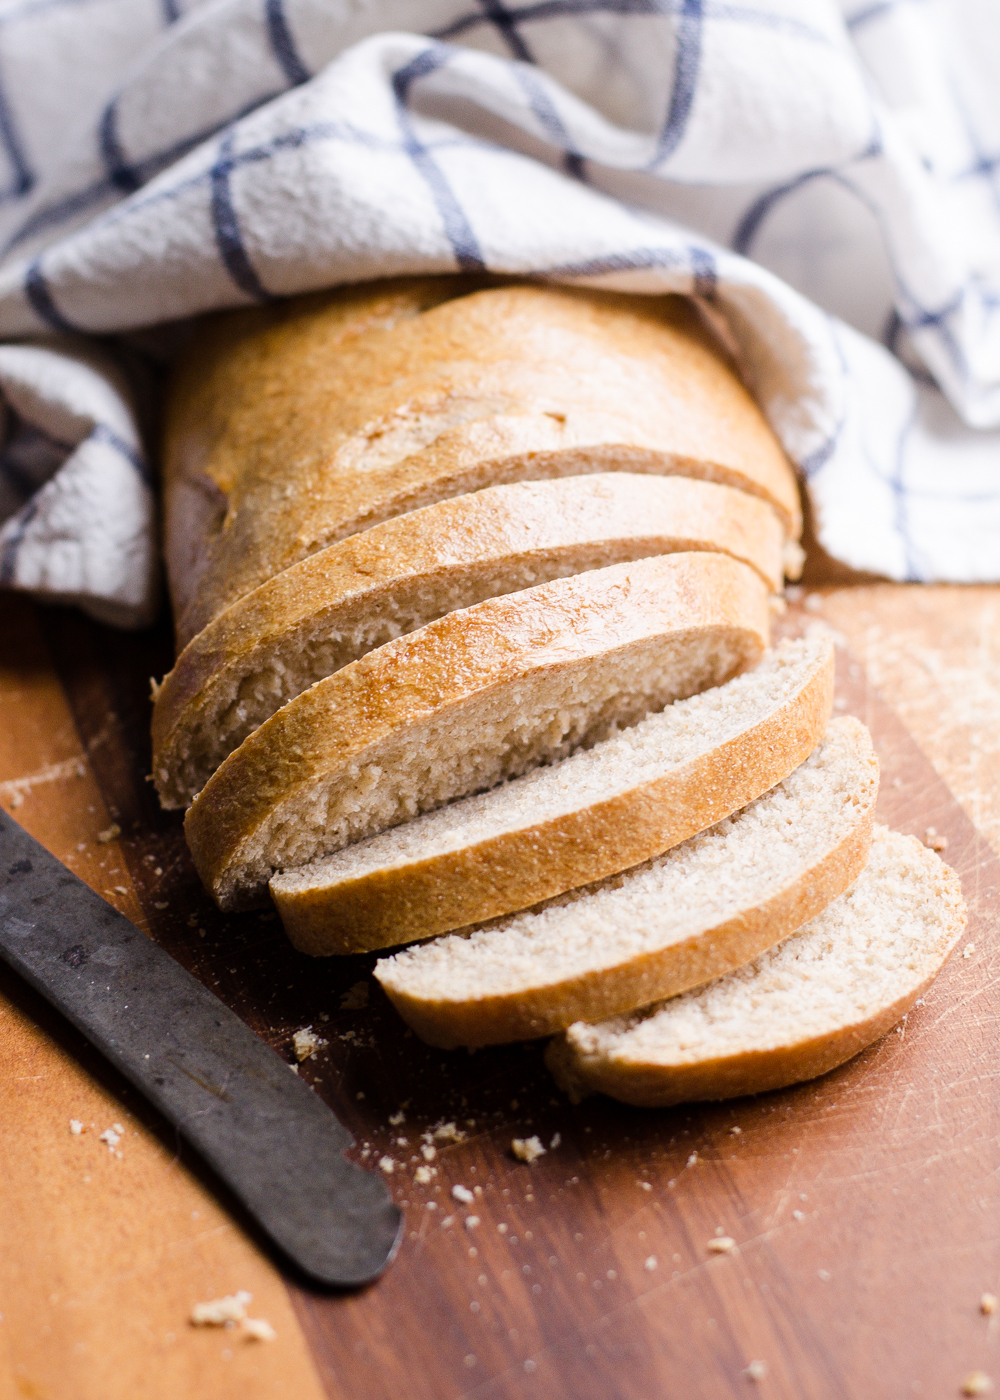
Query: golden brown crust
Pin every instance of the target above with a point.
(731, 1076)
(461, 551)
(286, 433)
(521, 868)
(528, 1014)
(353, 722)
(647, 1083)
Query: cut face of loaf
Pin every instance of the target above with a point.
(341, 603)
(698, 911)
(796, 1011)
(468, 701)
(631, 796)
(286, 434)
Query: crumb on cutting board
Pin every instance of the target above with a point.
(356, 998)
(219, 1312)
(977, 1383)
(306, 1042)
(988, 1304)
(527, 1149)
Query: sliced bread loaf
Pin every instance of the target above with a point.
(696, 912)
(339, 604)
(796, 1011)
(287, 432)
(599, 811)
(468, 701)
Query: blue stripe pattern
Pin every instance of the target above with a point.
(283, 45)
(225, 225)
(458, 230)
(36, 289)
(8, 558)
(687, 61)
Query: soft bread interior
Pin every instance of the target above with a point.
(337, 605)
(695, 912)
(630, 796)
(795, 1011)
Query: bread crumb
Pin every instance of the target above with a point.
(356, 999)
(735, 1130)
(756, 1371)
(258, 1329)
(462, 1193)
(692, 1159)
(824, 1274)
(968, 950)
(646, 1185)
(447, 1132)
(110, 833)
(471, 1222)
(934, 841)
(722, 1244)
(76, 1128)
(650, 1264)
(424, 1175)
(556, 1140)
(387, 1165)
(306, 1042)
(429, 1152)
(977, 1383)
(527, 1149)
(221, 1312)
(111, 1138)
(395, 1119)
(161, 904)
(988, 1304)
(431, 1205)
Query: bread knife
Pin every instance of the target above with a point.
(265, 1133)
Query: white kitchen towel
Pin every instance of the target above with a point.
(824, 177)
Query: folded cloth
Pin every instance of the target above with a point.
(826, 180)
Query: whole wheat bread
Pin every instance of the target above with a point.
(337, 605)
(796, 1011)
(696, 912)
(597, 812)
(291, 427)
(468, 701)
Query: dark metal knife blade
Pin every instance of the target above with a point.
(267, 1135)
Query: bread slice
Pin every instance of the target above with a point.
(341, 603)
(796, 1011)
(468, 701)
(286, 433)
(593, 814)
(696, 912)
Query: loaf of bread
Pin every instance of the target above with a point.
(472, 583)
(698, 911)
(467, 702)
(792, 1013)
(340, 603)
(603, 809)
(292, 426)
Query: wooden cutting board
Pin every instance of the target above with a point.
(865, 1207)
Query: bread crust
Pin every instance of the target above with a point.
(404, 573)
(517, 869)
(345, 733)
(647, 1084)
(529, 1013)
(285, 434)
(729, 1077)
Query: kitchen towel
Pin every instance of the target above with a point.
(825, 179)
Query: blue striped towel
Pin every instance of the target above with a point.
(824, 177)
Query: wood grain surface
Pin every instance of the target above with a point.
(865, 1207)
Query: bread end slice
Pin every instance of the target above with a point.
(795, 1012)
